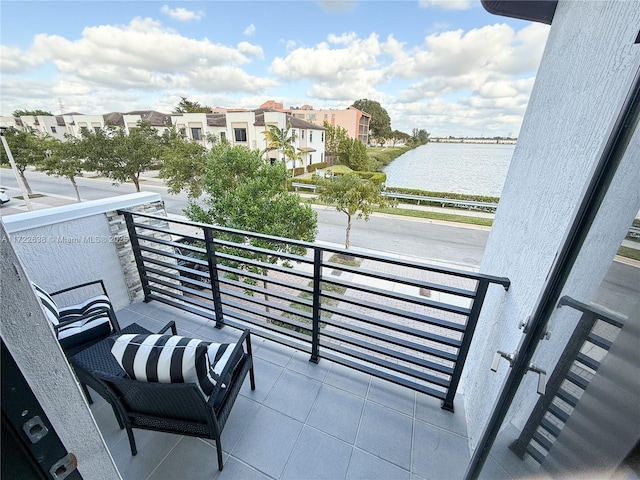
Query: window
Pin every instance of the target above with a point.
(196, 133)
(310, 136)
(302, 133)
(322, 137)
(183, 132)
(240, 134)
(97, 129)
(53, 130)
(310, 159)
(223, 136)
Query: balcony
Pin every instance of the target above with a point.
(357, 378)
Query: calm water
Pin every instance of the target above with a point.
(452, 167)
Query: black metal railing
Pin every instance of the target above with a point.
(401, 320)
(591, 339)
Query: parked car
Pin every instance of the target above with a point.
(185, 252)
(4, 197)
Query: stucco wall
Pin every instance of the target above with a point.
(65, 246)
(586, 71)
(31, 341)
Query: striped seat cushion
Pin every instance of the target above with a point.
(80, 323)
(172, 359)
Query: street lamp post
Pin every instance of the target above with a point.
(21, 184)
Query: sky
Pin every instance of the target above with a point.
(446, 66)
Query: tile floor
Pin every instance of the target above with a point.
(303, 421)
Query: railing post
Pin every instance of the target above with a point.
(137, 254)
(571, 350)
(317, 287)
(213, 275)
(467, 336)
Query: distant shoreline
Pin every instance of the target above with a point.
(489, 141)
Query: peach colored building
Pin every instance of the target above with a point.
(354, 121)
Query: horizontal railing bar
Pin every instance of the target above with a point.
(379, 374)
(176, 256)
(401, 296)
(259, 264)
(535, 454)
(271, 293)
(543, 441)
(264, 314)
(179, 278)
(398, 279)
(264, 303)
(558, 413)
(192, 301)
(254, 249)
(398, 327)
(577, 380)
(173, 244)
(181, 287)
(393, 311)
(258, 276)
(207, 313)
(394, 340)
(386, 364)
(599, 341)
(567, 397)
(505, 282)
(420, 362)
(174, 266)
(592, 310)
(263, 332)
(550, 427)
(587, 361)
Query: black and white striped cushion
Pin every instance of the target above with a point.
(50, 307)
(171, 359)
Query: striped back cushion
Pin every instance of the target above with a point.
(165, 359)
(50, 307)
(94, 306)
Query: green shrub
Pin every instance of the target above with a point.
(315, 166)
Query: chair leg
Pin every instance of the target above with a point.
(132, 441)
(252, 378)
(219, 449)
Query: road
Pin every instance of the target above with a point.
(421, 238)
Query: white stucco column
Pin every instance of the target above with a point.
(586, 71)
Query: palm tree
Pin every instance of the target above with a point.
(281, 139)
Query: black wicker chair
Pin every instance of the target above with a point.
(180, 407)
(78, 327)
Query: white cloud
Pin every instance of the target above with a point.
(343, 39)
(250, 50)
(14, 60)
(181, 14)
(447, 4)
(250, 30)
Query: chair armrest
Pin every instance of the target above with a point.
(104, 290)
(227, 371)
(171, 325)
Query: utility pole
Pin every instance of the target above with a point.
(23, 188)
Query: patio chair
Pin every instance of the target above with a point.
(79, 326)
(182, 406)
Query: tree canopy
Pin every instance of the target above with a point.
(64, 160)
(189, 106)
(184, 163)
(32, 113)
(352, 196)
(121, 157)
(344, 149)
(27, 148)
(380, 126)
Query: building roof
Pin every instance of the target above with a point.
(157, 119)
(299, 123)
(216, 120)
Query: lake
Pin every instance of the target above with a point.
(478, 169)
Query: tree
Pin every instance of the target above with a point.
(32, 113)
(354, 155)
(352, 196)
(27, 149)
(419, 136)
(282, 139)
(380, 125)
(335, 135)
(184, 163)
(243, 192)
(188, 106)
(121, 157)
(64, 160)
(398, 136)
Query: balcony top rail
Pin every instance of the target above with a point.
(405, 321)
